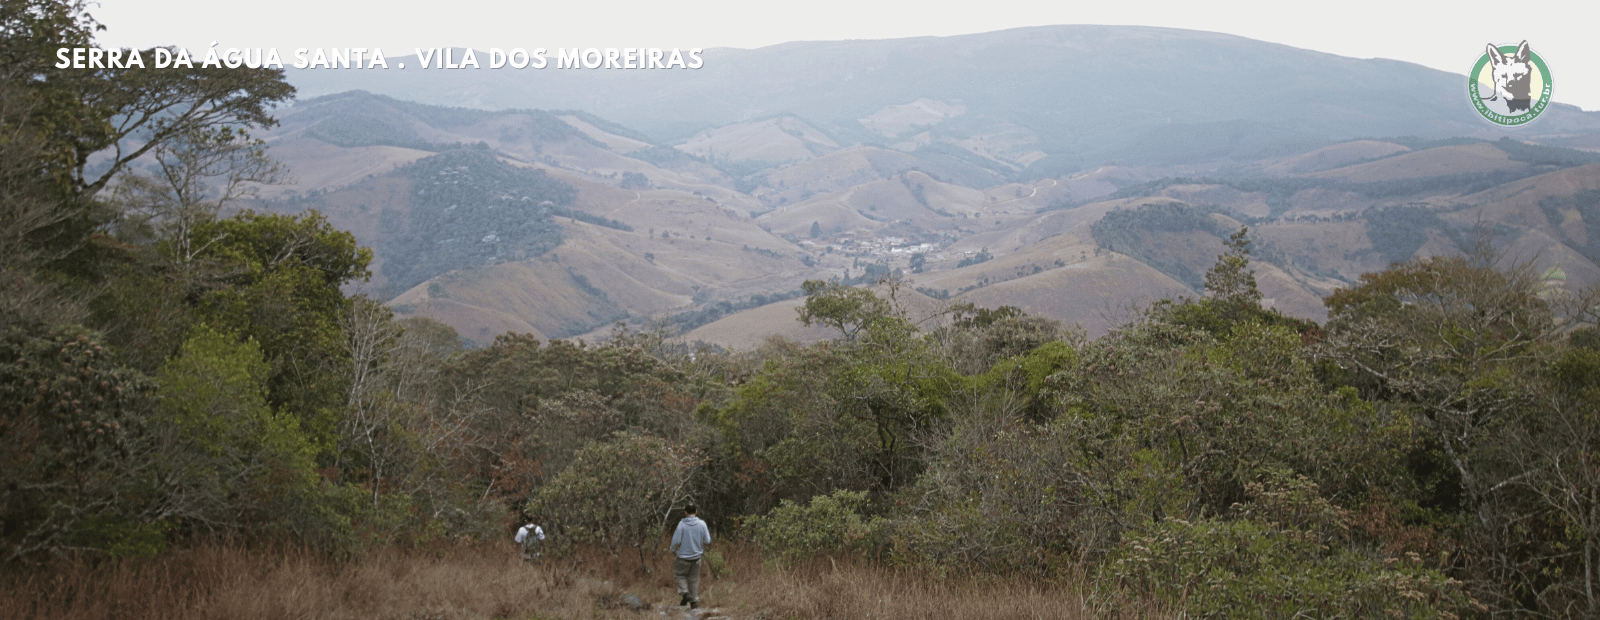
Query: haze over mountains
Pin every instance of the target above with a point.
(1085, 93)
(1068, 170)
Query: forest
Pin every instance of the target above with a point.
(171, 375)
(470, 208)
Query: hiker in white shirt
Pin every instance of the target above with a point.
(530, 537)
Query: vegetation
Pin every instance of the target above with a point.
(1587, 205)
(488, 581)
(634, 180)
(1278, 190)
(1540, 155)
(1123, 231)
(351, 131)
(982, 256)
(348, 128)
(471, 208)
(604, 125)
(178, 383)
(683, 322)
(661, 155)
(1398, 232)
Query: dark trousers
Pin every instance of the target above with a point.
(688, 574)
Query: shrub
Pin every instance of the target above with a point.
(1000, 495)
(1286, 554)
(827, 524)
(617, 492)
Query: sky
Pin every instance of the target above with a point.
(1449, 37)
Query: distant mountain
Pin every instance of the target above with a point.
(1025, 103)
(524, 220)
(559, 223)
(1074, 172)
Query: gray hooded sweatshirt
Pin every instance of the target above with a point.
(690, 539)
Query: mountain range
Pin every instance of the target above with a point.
(1072, 171)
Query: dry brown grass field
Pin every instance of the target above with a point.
(489, 581)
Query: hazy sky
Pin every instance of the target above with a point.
(1449, 37)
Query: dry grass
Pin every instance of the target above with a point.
(488, 581)
(854, 590)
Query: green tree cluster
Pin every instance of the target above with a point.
(171, 370)
(1425, 453)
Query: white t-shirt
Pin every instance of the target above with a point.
(522, 533)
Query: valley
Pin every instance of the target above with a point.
(699, 198)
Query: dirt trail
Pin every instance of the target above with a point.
(1031, 194)
(684, 613)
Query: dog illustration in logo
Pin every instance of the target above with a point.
(1512, 80)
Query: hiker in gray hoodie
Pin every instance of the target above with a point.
(689, 545)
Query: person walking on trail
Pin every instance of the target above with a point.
(689, 545)
(530, 537)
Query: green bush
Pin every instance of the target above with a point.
(119, 536)
(1000, 495)
(618, 492)
(1287, 554)
(827, 524)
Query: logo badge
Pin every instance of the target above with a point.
(1510, 85)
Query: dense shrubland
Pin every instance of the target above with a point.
(1277, 191)
(469, 209)
(170, 375)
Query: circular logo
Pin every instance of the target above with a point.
(1510, 85)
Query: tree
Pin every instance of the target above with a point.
(1230, 278)
(42, 221)
(1448, 336)
(1558, 452)
(816, 230)
(533, 407)
(618, 492)
(841, 415)
(1181, 421)
(373, 428)
(223, 458)
(35, 212)
(848, 309)
(1231, 297)
(111, 117)
(1285, 553)
(978, 337)
(891, 381)
(1462, 347)
(158, 106)
(1000, 494)
(281, 277)
(41, 97)
(64, 437)
(198, 172)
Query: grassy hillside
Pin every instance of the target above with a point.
(712, 233)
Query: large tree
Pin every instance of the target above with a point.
(84, 127)
(619, 492)
(1471, 350)
(197, 174)
(282, 276)
(143, 109)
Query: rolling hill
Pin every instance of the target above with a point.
(1025, 103)
(560, 222)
